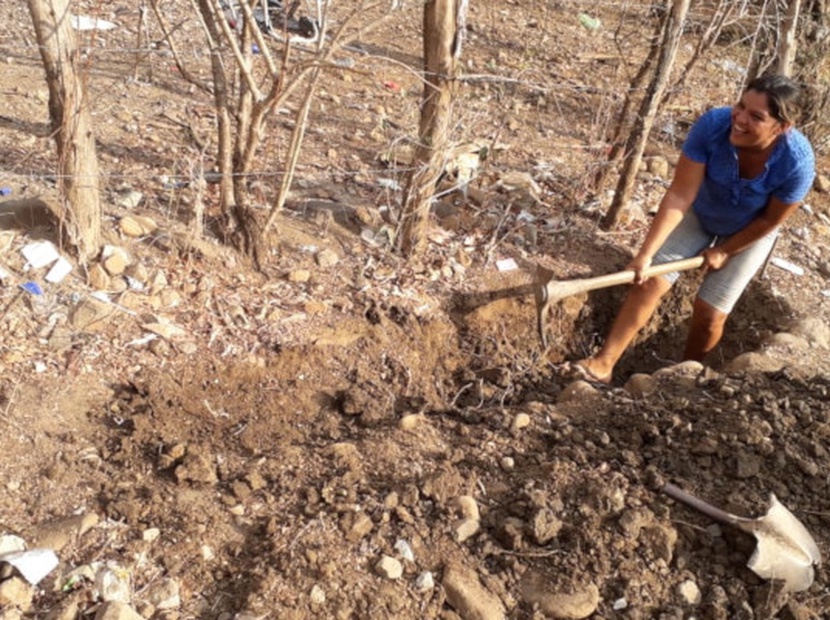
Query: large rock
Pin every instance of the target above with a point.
(640, 385)
(572, 605)
(786, 340)
(16, 593)
(56, 535)
(578, 391)
(753, 362)
(91, 315)
(684, 374)
(468, 597)
(813, 330)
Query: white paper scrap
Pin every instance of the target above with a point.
(59, 270)
(40, 254)
(34, 564)
(84, 22)
(787, 266)
(506, 264)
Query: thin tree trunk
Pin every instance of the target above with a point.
(787, 39)
(71, 126)
(623, 124)
(648, 110)
(441, 20)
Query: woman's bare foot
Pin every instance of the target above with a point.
(591, 370)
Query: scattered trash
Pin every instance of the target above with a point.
(33, 564)
(393, 86)
(787, 266)
(59, 270)
(74, 582)
(620, 604)
(506, 264)
(255, 48)
(4, 275)
(176, 185)
(40, 254)
(390, 184)
(591, 23)
(33, 288)
(142, 341)
(84, 22)
(733, 67)
(807, 208)
(5, 191)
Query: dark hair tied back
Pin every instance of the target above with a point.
(782, 95)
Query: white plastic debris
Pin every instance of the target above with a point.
(84, 22)
(506, 264)
(390, 184)
(59, 270)
(786, 265)
(33, 564)
(620, 604)
(4, 275)
(40, 254)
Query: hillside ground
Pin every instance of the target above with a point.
(346, 434)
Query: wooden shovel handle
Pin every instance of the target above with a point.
(627, 276)
(721, 516)
(562, 289)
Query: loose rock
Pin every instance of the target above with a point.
(389, 568)
(468, 597)
(565, 605)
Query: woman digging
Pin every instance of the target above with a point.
(742, 172)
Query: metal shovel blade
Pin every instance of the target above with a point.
(785, 550)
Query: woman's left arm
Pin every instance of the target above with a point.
(773, 216)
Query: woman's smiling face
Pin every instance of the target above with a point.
(753, 126)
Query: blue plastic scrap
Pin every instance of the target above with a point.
(5, 191)
(32, 288)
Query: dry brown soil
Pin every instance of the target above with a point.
(306, 419)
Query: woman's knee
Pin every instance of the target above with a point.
(653, 287)
(705, 313)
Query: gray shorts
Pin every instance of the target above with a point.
(721, 289)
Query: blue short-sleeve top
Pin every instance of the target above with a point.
(726, 203)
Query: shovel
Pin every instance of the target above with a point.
(547, 290)
(785, 549)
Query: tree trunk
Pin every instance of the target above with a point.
(787, 39)
(441, 20)
(78, 164)
(648, 110)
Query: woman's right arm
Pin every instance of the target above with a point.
(677, 200)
